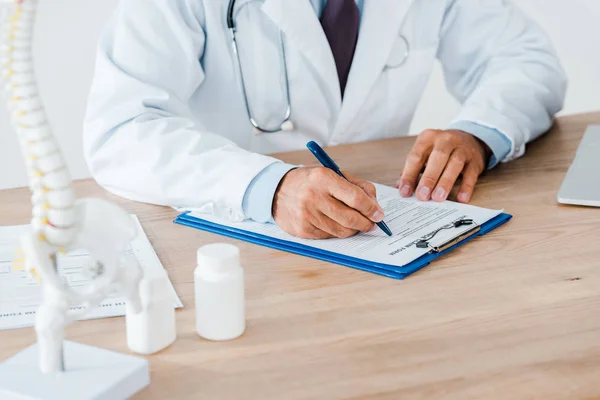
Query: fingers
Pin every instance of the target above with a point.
(349, 220)
(316, 203)
(470, 175)
(338, 219)
(414, 165)
(312, 232)
(453, 169)
(307, 225)
(333, 228)
(435, 166)
(308, 222)
(368, 187)
(355, 198)
(445, 154)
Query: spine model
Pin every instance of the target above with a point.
(59, 220)
(53, 198)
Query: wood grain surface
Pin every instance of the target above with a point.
(512, 315)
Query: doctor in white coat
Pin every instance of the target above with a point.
(168, 121)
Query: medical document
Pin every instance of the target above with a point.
(20, 294)
(409, 219)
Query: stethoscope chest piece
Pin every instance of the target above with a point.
(399, 54)
(286, 126)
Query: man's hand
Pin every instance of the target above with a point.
(443, 155)
(316, 203)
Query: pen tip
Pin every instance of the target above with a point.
(385, 228)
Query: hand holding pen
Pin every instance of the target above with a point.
(328, 162)
(318, 203)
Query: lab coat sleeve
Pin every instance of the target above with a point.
(496, 141)
(258, 199)
(502, 68)
(140, 141)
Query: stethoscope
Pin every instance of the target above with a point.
(286, 124)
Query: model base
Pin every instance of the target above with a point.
(91, 373)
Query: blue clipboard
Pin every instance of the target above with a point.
(391, 271)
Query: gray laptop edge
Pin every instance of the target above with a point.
(581, 185)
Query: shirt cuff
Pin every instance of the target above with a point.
(258, 199)
(494, 139)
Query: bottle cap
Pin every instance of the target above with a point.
(218, 255)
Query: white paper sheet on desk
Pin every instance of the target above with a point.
(408, 219)
(20, 295)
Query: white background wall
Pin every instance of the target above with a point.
(64, 50)
(67, 31)
(574, 27)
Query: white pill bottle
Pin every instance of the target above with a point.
(219, 292)
(154, 328)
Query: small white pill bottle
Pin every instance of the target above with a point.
(154, 328)
(219, 292)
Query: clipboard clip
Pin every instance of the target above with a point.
(423, 243)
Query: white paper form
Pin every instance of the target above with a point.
(408, 219)
(20, 294)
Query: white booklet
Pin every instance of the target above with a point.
(20, 295)
(409, 220)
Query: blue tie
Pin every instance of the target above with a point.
(340, 21)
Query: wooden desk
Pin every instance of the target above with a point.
(514, 315)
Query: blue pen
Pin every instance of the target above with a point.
(327, 162)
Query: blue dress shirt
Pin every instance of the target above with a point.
(258, 199)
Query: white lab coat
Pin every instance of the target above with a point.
(166, 122)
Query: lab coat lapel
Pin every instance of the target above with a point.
(381, 23)
(302, 29)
